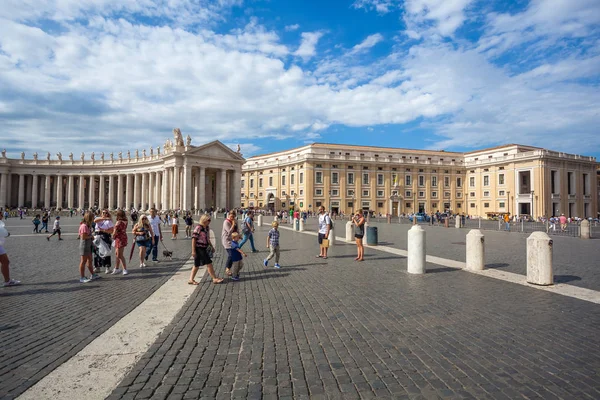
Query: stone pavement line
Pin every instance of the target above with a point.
(97, 369)
(592, 296)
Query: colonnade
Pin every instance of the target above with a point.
(172, 187)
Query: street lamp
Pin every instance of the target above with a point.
(508, 200)
(533, 204)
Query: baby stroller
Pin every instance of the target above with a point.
(102, 251)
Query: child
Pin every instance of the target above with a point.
(56, 229)
(273, 245)
(36, 224)
(236, 257)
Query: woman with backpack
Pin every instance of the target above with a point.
(202, 251)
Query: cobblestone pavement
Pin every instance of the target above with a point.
(52, 316)
(576, 261)
(341, 329)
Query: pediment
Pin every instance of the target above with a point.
(214, 149)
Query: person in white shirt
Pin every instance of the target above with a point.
(324, 227)
(56, 229)
(155, 224)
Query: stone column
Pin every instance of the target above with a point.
(187, 187)
(111, 192)
(3, 193)
(144, 191)
(101, 193)
(201, 188)
(136, 191)
(34, 191)
(47, 191)
(151, 189)
(92, 191)
(70, 192)
(21, 199)
(28, 187)
(222, 188)
(176, 201)
(81, 196)
(166, 190)
(236, 198)
(129, 191)
(120, 197)
(158, 194)
(59, 191)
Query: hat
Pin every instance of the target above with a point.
(58, 217)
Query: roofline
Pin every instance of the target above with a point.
(503, 146)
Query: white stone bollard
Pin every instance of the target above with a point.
(331, 237)
(259, 220)
(475, 250)
(301, 224)
(585, 229)
(457, 224)
(416, 250)
(294, 224)
(349, 232)
(539, 259)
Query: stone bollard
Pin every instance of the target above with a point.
(585, 229)
(414, 221)
(331, 237)
(446, 222)
(295, 225)
(389, 219)
(475, 250)
(416, 250)
(349, 232)
(539, 259)
(457, 224)
(259, 220)
(301, 225)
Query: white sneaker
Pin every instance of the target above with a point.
(116, 271)
(125, 272)
(12, 282)
(84, 280)
(142, 265)
(107, 270)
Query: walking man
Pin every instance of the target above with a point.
(155, 224)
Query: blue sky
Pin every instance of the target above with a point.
(118, 75)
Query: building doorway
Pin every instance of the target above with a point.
(524, 208)
(395, 208)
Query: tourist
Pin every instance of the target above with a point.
(105, 228)
(36, 223)
(359, 233)
(202, 250)
(189, 222)
(45, 219)
(229, 226)
(323, 233)
(85, 248)
(175, 226)
(248, 231)
(4, 261)
(120, 238)
(273, 245)
(144, 237)
(55, 229)
(563, 222)
(506, 222)
(237, 255)
(155, 224)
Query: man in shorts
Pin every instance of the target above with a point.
(154, 220)
(324, 228)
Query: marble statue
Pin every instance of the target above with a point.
(178, 137)
(151, 151)
(112, 157)
(4, 153)
(59, 156)
(144, 153)
(158, 150)
(102, 156)
(82, 156)
(93, 156)
(137, 153)
(128, 155)
(239, 149)
(48, 156)
(22, 155)
(71, 156)
(120, 156)
(35, 156)
(188, 140)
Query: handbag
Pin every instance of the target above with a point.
(325, 243)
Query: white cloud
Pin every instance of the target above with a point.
(381, 6)
(247, 149)
(446, 15)
(366, 44)
(291, 28)
(308, 45)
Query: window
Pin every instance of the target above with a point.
(301, 177)
(350, 178)
(586, 184)
(283, 180)
(350, 204)
(486, 205)
(434, 194)
(291, 179)
(501, 204)
(365, 179)
(380, 179)
(242, 184)
(446, 181)
(554, 182)
(251, 183)
(318, 192)
(318, 204)
(421, 194)
(380, 205)
(486, 180)
(270, 181)
(335, 192)
(335, 178)
(319, 166)
(447, 195)
(472, 194)
(301, 192)
(501, 193)
(434, 205)
(318, 177)
(408, 193)
(421, 180)
(350, 193)
(458, 195)
(458, 182)
(260, 182)
(365, 193)
(486, 193)
(408, 205)
(458, 205)
(283, 192)
(434, 181)
(500, 179)
(571, 182)
(380, 193)
(472, 181)
(408, 180)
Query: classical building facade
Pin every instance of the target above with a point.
(183, 176)
(512, 178)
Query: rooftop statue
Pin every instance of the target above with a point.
(59, 156)
(93, 156)
(112, 157)
(178, 137)
(144, 153)
(102, 156)
(82, 156)
(48, 156)
(35, 156)
(22, 155)
(4, 153)
(128, 154)
(120, 156)
(188, 140)
(71, 156)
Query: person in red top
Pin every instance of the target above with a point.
(120, 237)
(85, 247)
(563, 222)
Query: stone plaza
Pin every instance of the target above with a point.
(317, 328)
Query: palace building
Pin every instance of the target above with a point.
(183, 177)
(522, 180)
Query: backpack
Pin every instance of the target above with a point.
(201, 237)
